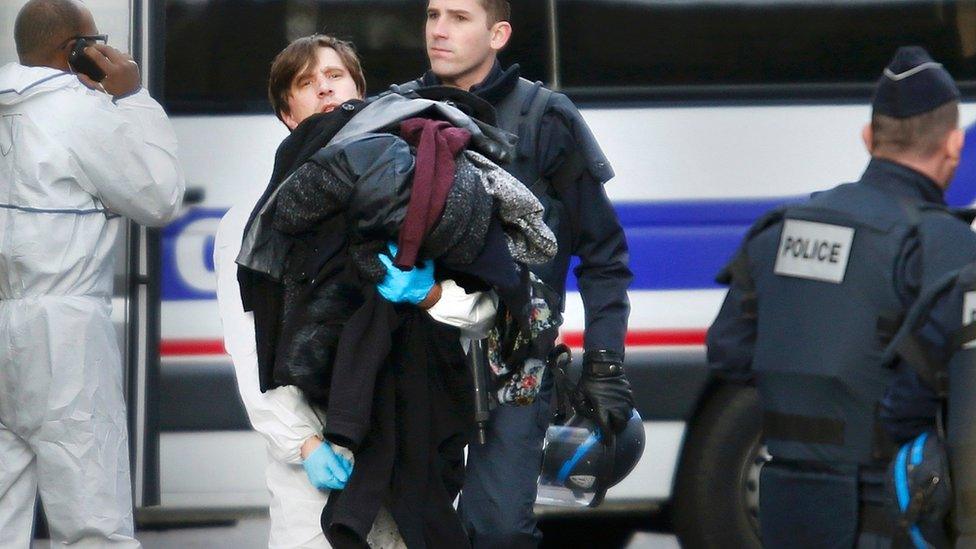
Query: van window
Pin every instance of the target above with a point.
(783, 47)
(217, 53)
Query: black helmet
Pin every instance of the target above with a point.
(578, 465)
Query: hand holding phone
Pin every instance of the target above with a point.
(119, 73)
(81, 63)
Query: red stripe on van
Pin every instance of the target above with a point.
(191, 347)
(647, 338)
(635, 338)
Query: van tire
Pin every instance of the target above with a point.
(719, 473)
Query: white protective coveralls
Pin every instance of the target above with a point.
(283, 416)
(71, 162)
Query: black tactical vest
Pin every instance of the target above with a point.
(822, 277)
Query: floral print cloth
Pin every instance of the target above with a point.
(518, 360)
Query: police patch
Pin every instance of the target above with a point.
(969, 314)
(816, 251)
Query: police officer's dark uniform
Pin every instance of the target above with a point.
(816, 290)
(939, 369)
(561, 162)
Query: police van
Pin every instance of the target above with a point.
(710, 112)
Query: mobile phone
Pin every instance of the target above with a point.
(83, 64)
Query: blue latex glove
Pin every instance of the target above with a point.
(405, 286)
(326, 469)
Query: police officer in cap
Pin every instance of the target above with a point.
(818, 289)
(934, 396)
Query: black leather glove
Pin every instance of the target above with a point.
(603, 393)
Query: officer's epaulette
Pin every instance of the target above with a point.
(594, 159)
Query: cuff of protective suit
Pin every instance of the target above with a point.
(143, 105)
(473, 313)
(132, 93)
(290, 451)
(287, 447)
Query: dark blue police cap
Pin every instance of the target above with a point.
(913, 84)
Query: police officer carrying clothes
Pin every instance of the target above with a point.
(560, 161)
(818, 289)
(931, 406)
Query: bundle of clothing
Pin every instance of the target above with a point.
(392, 382)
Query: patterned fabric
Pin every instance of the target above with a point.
(529, 238)
(518, 360)
(523, 386)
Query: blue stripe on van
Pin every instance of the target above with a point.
(962, 191)
(674, 245)
(681, 245)
(192, 275)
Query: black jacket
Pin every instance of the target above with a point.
(261, 294)
(405, 407)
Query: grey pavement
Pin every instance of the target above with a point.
(252, 533)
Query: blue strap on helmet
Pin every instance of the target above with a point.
(914, 448)
(568, 466)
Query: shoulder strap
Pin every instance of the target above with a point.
(909, 347)
(520, 112)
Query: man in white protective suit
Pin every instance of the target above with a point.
(75, 155)
(315, 74)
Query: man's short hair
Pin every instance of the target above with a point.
(301, 53)
(42, 24)
(920, 135)
(498, 10)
